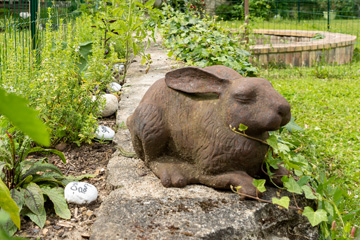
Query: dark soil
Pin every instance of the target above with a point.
(86, 159)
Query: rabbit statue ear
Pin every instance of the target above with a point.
(195, 80)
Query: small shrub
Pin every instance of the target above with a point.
(202, 43)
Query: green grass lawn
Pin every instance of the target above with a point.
(329, 111)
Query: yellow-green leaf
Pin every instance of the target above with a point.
(316, 217)
(26, 119)
(260, 184)
(8, 204)
(242, 127)
(283, 202)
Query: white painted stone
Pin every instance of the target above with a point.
(104, 132)
(24, 15)
(119, 67)
(111, 105)
(115, 87)
(80, 192)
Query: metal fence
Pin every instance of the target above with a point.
(22, 25)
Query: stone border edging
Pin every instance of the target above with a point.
(335, 48)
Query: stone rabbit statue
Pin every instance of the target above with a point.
(181, 127)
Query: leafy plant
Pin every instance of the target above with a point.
(28, 180)
(329, 198)
(229, 12)
(125, 29)
(202, 43)
(9, 211)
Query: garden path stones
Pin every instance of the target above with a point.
(80, 192)
(141, 208)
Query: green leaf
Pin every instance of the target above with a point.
(38, 219)
(304, 180)
(292, 126)
(56, 195)
(315, 217)
(34, 201)
(39, 166)
(283, 202)
(7, 224)
(43, 150)
(85, 49)
(329, 208)
(8, 204)
(26, 180)
(293, 186)
(272, 141)
(143, 60)
(7, 227)
(242, 127)
(18, 197)
(26, 119)
(68, 179)
(149, 3)
(170, 53)
(260, 184)
(308, 192)
(47, 180)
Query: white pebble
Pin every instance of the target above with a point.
(80, 192)
(111, 105)
(104, 133)
(115, 87)
(119, 67)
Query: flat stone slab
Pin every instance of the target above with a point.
(141, 208)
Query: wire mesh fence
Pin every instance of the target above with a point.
(23, 25)
(286, 32)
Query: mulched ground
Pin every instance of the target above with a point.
(86, 159)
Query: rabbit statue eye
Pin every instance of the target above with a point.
(246, 97)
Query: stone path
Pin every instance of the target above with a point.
(139, 207)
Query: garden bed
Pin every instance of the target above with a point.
(301, 48)
(86, 159)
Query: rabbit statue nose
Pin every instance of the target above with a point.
(284, 110)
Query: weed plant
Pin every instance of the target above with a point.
(201, 42)
(325, 101)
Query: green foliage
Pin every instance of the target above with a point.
(200, 42)
(329, 198)
(258, 9)
(282, 202)
(23, 117)
(4, 235)
(261, 8)
(29, 180)
(327, 109)
(230, 12)
(316, 217)
(124, 28)
(260, 184)
(8, 205)
(73, 64)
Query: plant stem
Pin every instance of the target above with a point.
(247, 136)
(265, 201)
